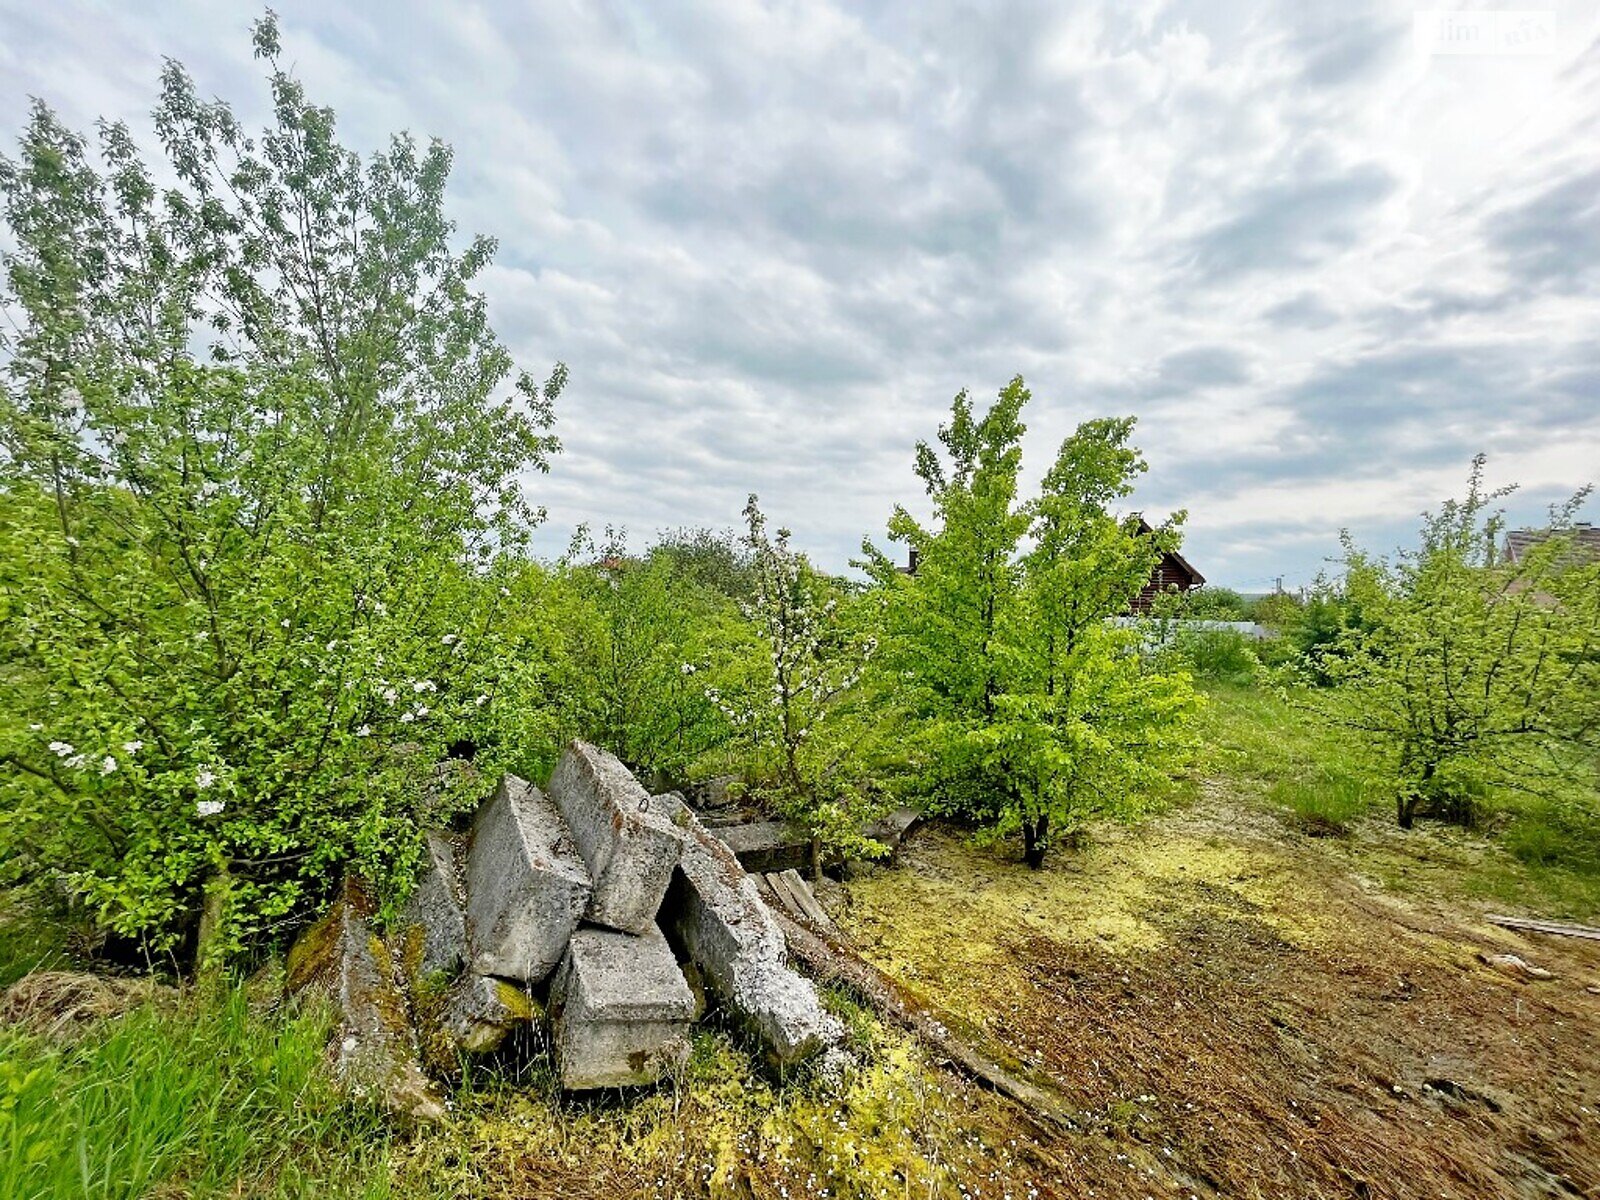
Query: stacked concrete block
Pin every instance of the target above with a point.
(480, 1011)
(619, 1010)
(435, 919)
(375, 1049)
(628, 846)
(724, 926)
(527, 886)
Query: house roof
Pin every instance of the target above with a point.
(1585, 541)
(1146, 527)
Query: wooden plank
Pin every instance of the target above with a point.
(807, 900)
(786, 898)
(1554, 928)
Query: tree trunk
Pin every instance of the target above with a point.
(210, 957)
(1033, 843)
(1406, 809)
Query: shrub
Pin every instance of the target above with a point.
(261, 451)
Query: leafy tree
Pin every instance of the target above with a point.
(1469, 672)
(644, 639)
(798, 717)
(259, 467)
(1038, 711)
(1215, 604)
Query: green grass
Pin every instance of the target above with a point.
(1540, 854)
(191, 1099)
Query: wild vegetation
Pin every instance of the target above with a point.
(264, 563)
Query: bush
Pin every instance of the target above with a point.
(261, 451)
(1217, 655)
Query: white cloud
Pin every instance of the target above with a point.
(772, 240)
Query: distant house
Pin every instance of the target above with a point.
(1172, 573)
(1585, 542)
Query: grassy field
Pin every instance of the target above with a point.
(1265, 989)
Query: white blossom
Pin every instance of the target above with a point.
(61, 749)
(107, 765)
(390, 695)
(204, 778)
(450, 639)
(364, 731)
(483, 698)
(133, 747)
(424, 685)
(422, 711)
(284, 624)
(687, 668)
(209, 808)
(36, 727)
(406, 718)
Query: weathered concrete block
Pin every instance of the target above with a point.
(715, 912)
(434, 923)
(480, 1011)
(527, 887)
(767, 845)
(619, 1010)
(374, 1047)
(630, 848)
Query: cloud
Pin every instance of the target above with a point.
(771, 241)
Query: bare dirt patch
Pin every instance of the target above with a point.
(1232, 1010)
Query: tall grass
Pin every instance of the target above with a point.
(191, 1099)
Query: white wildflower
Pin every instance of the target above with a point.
(209, 808)
(204, 778)
(61, 749)
(133, 747)
(364, 731)
(284, 624)
(36, 727)
(422, 711)
(424, 685)
(406, 718)
(450, 639)
(209, 489)
(687, 669)
(76, 762)
(107, 765)
(505, 591)
(390, 695)
(483, 698)
(73, 542)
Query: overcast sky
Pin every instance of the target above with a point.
(1322, 267)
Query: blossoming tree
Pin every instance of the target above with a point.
(258, 459)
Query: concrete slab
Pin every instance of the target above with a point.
(375, 1050)
(767, 845)
(629, 848)
(481, 1011)
(434, 921)
(527, 886)
(714, 912)
(619, 1010)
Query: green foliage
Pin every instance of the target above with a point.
(203, 1099)
(259, 468)
(1222, 655)
(797, 715)
(1037, 712)
(1471, 674)
(643, 639)
(1215, 604)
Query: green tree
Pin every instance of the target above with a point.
(260, 460)
(1036, 709)
(1469, 673)
(797, 717)
(1215, 604)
